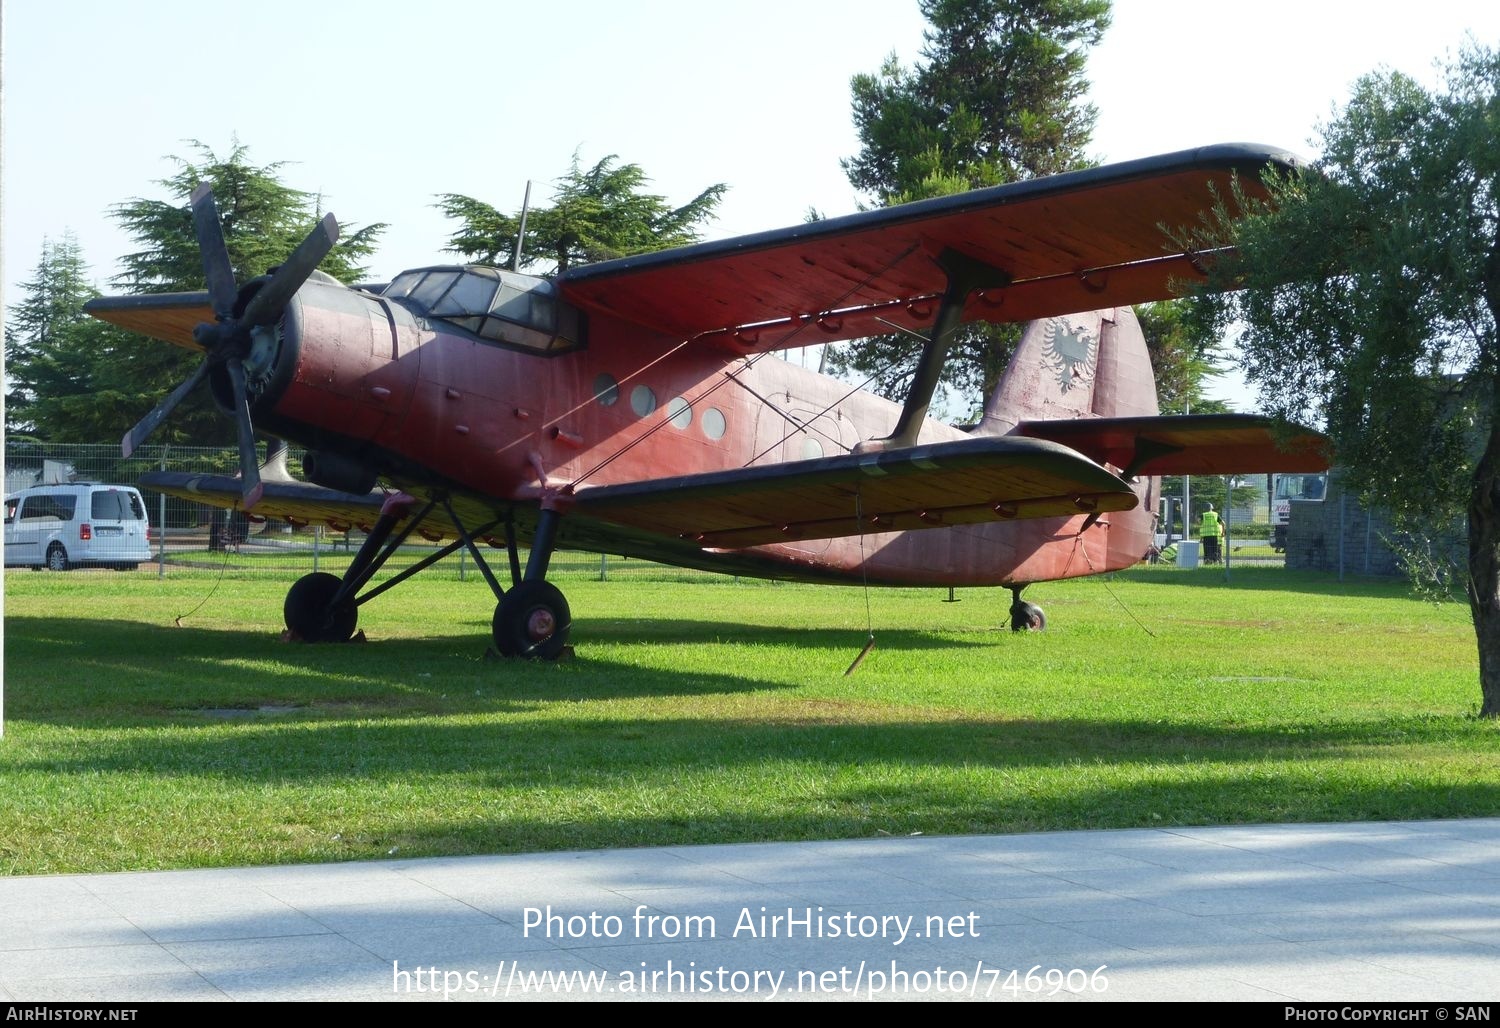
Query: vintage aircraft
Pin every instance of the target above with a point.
(633, 406)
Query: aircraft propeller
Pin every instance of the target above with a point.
(228, 340)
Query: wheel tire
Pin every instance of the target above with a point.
(532, 620)
(1028, 617)
(57, 558)
(310, 615)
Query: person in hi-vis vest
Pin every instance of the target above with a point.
(1211, 529)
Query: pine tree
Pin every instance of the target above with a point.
(49, 343)
(263, 220)
(597, 215)
(997, 98)
(74, 379)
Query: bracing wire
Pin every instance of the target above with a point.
(1105, 582)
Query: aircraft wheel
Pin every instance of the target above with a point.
(532, 620)
(310, 615)
(1027, 617)
(57, 558)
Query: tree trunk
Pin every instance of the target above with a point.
(1484, 567)
(1484, 523)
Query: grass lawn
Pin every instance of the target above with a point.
(710, 710)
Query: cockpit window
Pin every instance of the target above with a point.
(500, 306)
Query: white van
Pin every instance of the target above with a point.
(80, 524)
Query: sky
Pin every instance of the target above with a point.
(379, 106)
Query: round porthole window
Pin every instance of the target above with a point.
(606, 389)
(679, 412)
(642, 400)
(713, 423)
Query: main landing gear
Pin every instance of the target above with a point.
(1025, 617)
(531, 619)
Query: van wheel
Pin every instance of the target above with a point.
(57, 558)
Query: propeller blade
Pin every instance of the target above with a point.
(250, 484)
(216, 268)
(265, 306)
(144, 427)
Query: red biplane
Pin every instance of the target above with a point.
(634, 406)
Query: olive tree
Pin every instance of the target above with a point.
(1369, 289)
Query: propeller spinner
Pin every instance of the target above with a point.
(228, 339)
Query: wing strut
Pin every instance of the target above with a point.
(964, 275)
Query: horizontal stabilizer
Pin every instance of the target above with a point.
(1190, 444)
(967, 481)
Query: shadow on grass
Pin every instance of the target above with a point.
(593, 753)
(394, 725)
(67, 669)
(366, 791)
(887, 811)
(1253, 578)
(430, 706)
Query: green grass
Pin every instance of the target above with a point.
(707, 710)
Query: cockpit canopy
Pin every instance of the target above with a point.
(499, 306)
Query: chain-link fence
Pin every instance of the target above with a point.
(189, 537)
(194, 537)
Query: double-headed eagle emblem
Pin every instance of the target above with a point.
(1070, 352)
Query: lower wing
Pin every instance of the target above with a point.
(962, 482)
(965, 481)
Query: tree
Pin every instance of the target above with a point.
(597, 215)
(997, 98)
(1371, 288)
(39, 330)
(1185, 354)
(81, 380)
(64, 369)
(263, 219)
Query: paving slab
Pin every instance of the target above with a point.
(1387, 912)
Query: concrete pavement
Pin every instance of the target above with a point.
(1377, 912)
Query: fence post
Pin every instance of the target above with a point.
(603, 567)
(1341, 535)
(317, 541)
(161, 520)
(463, 564)
(1228, 516)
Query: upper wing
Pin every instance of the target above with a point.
(169, 317)
(953, 483)
(1066, 243)
(1193, 444)
(1073, 242)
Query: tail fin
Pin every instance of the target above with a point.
(1090, 365)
